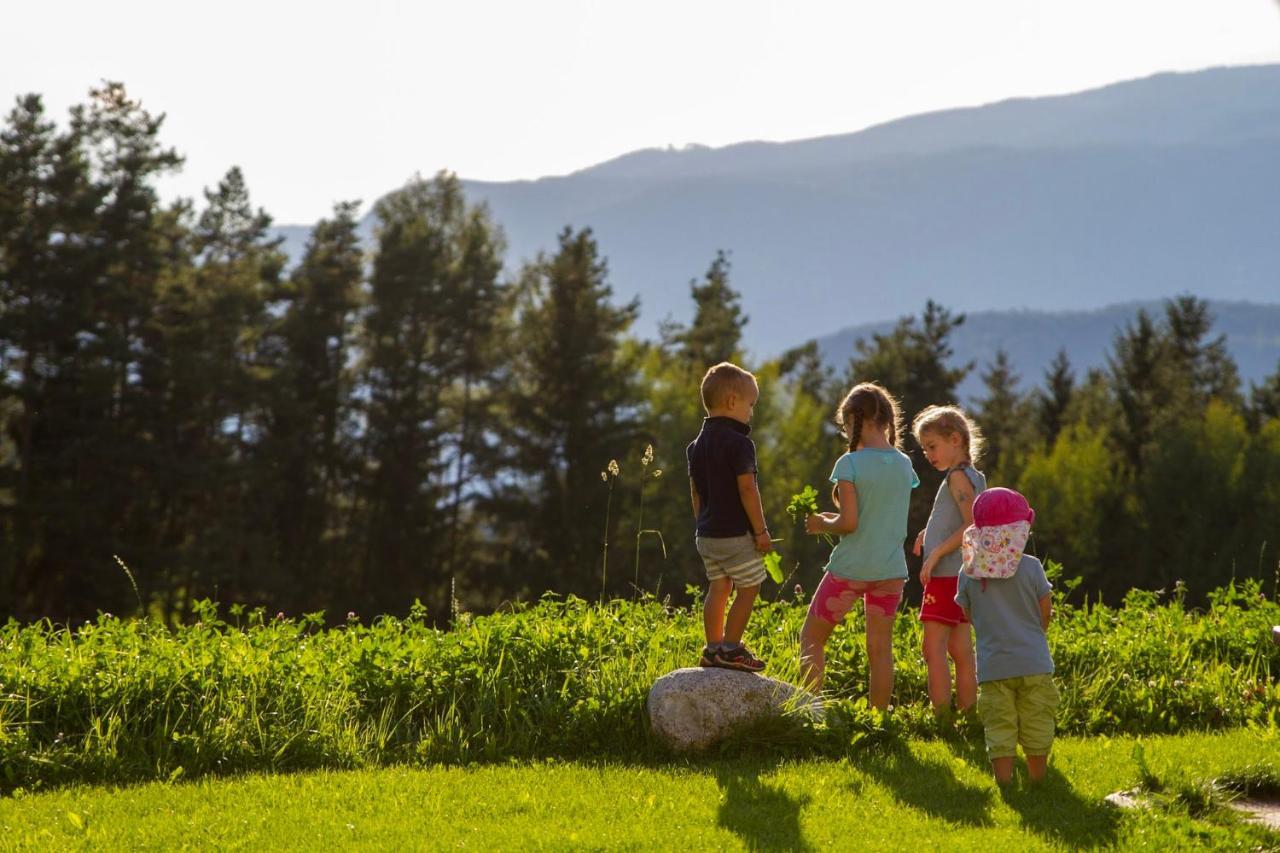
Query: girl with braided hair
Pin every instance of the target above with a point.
(872, 490)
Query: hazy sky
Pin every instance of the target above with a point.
(321, 101)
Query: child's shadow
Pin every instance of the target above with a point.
(765, 818)
(930, 786)
(1052, 807)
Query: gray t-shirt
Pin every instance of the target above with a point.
(946, 518)
(1005, 613)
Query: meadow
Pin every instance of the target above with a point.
(127, 701)
(918, 793)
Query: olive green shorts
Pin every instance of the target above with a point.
(1018, 711)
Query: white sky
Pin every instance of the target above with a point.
(320, 101)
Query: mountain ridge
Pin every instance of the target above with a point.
(1132, 191)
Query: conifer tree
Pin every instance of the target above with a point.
(1052, 401)
(1002, 414)
(716, 331)
(435, 307)
(308, 445)
(572, 408)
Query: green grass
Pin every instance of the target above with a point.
(919, 795)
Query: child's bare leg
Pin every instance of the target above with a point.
(937, 638)
(880, 658)
(739, 613)
(813, 647)
(1003, 769)
(713, 609)
(960, 647)
(1037, 766)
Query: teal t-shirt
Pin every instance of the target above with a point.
(883, 480)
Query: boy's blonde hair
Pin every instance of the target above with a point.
(723, 379)
(947, 421)
(869, 401)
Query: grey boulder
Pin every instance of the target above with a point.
(693, 708)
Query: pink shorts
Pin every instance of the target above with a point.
(835, 597)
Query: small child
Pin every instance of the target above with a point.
(1006, 595)
(872, 491)
(731, 533)
(952, 443)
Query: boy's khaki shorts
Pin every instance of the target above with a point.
(733, 557)
(1018, 711)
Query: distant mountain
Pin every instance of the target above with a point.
(1033, 338)
(1135, 191)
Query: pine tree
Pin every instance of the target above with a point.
(83, 244)
(1002, 414)
(1205, 366)
(1139, 368)
(237, 278)
(308, 445)
(571, 409)
(716, 331)
(1054, 399)
(430, 346)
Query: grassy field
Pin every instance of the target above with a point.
(912, 794)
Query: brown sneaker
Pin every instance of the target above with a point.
(739, 658)
(708, 656)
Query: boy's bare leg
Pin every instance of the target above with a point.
(713, 609)
(1003, 769)
(937, 639)
(813, 649)
(739, 613)
(1037, 766)
(960, 647)
(880, 658)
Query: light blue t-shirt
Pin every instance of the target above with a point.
(1005, 613)
(883, 480)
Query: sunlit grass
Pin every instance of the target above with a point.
(917, 795)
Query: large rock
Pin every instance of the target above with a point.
(692, 708)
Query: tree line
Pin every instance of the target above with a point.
(185, 416)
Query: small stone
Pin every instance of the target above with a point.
(1127, 800)
(694, 708)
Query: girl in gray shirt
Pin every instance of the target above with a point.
(952, 443)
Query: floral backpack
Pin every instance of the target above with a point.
(993, 545)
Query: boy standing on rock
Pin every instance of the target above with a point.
(731, 534)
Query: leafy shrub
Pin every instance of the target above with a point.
(114, 700)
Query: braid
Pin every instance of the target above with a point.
(855, 431)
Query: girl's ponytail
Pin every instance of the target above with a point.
(869, 401)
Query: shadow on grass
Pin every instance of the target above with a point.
(764, 817)
(929, 786)
(1054, 810)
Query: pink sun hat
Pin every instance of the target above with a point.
(999, 506)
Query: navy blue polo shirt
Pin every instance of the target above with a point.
(716, 457)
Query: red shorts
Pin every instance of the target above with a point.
(835, 597)
(939, 602)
